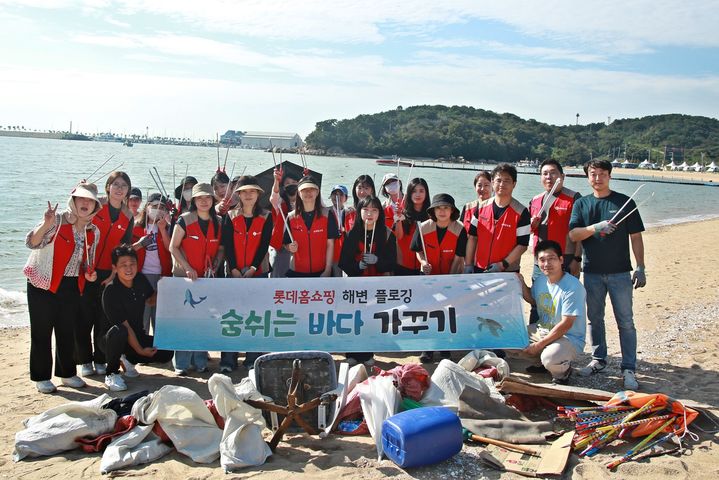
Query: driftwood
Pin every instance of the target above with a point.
(514, 384)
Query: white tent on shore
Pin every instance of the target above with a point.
(712, 167)
(684, 166)
(697, 167)
(671, 166)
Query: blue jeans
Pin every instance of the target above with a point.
(183, 360)
(619, 287)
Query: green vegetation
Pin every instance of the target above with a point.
(476, 134)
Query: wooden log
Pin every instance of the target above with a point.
(514, 384)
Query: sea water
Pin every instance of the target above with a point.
(35, 171)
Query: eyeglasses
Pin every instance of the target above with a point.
(121, 186)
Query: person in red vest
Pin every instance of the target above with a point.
(283, 200)
(483, 188)
(369, 250)
(183, 193)
(246, 235)
(338, 197)
(362, 187)
(115, 224)
(499, 229)
(553, 222)
(440, 244)
(151, 241)
(69, 241)
(196, 251)
(314, 230)
(392, 190)
(416, 203)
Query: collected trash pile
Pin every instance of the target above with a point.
(657, 418)
(414, 419)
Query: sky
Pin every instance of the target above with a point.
(191, 68)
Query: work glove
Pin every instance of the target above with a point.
(604, 228)
(369, 258)
(494, 268)
(363, 265)
(639, 278)
(469, 269)
(426, 268)
(146, 241)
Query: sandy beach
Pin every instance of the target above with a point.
(676, 315)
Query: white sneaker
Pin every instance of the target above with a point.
(595, 366)
(130, 370)
(100, 368)
(115, 382)
(630, 380)
(87, 369)
(74, 382)
(45, 386)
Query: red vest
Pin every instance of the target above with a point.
(64, 247)
(468, 211)
(247, 242)
(440, 255)
(110, 233)
(558, 213)
(200, 250)
(278, 226)
(350, 218)
(311, 244)
(165, 258)
(406, 257)
(496, 237)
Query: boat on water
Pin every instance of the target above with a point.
(393, 162)
(127, 143)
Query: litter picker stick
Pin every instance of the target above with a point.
(287, 225)
(106, 174)
(549, 197)
(424, 248)
(159, 178)
(227, 154)
(228, 191)
(217, 139)
(409, 179)
(371, 241)
(337, 213)
(152, 175)
(635, 208)
(101, 165)
(627, 202)
(365, 235)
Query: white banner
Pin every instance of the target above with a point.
(362, 314)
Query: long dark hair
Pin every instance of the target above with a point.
(367, 180)
(356, 235)
(411, 216)
(213, 213)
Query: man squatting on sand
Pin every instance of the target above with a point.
(497, 229)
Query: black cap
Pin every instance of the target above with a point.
(156, 197)
(442, 199)
(183, 183)
(135, 193)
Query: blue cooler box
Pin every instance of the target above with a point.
(422, 436)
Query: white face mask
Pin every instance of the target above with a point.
(392, 188)
(187, 194)
(153, 213)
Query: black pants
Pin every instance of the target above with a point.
(92, 322)
(115, 345)
(53, 313)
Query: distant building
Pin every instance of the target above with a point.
(262, 140)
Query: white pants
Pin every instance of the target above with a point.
(557, 356)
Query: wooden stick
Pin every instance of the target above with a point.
(508, 446)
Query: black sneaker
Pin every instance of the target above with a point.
(426, 357)
(536, 369)
(563, 381)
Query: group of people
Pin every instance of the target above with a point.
(94, 268)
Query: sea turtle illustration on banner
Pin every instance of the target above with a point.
(192, 301)
(494, 327)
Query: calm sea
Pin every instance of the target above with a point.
(35, 171)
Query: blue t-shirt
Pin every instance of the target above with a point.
(565, 298)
